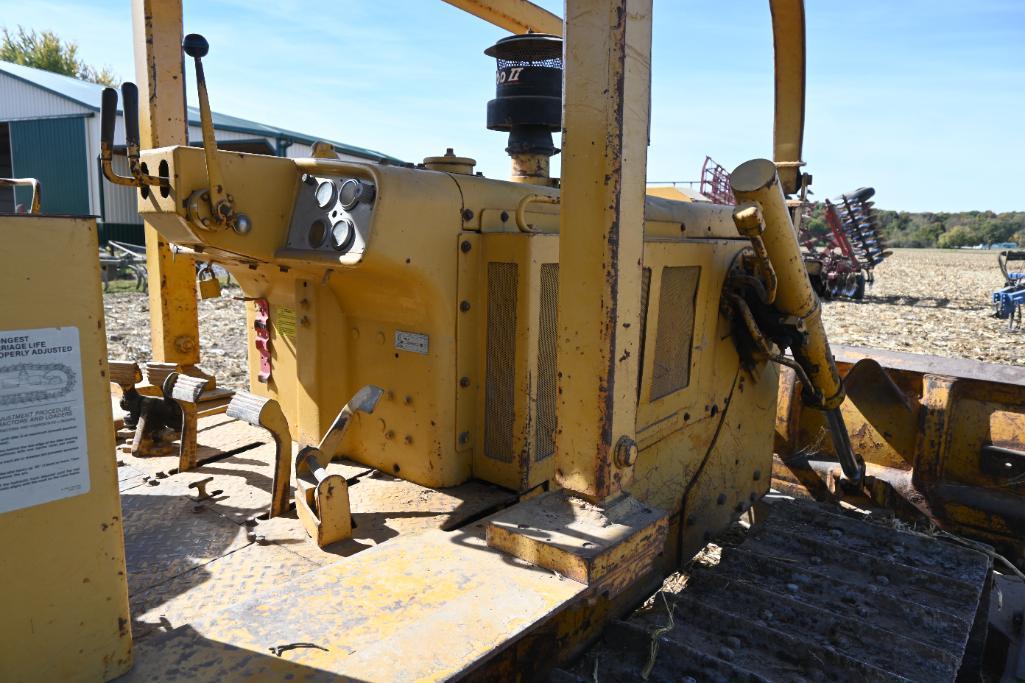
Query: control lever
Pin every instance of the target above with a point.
(321, 497)
(108, 120)
(222, 206)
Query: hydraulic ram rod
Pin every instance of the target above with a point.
(757, 182)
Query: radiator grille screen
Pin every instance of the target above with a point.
(673, 339)
(547, 324)
(499, 381)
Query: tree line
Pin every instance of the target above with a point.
(943, 230)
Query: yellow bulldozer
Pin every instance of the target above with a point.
(487, 418)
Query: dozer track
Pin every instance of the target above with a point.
(810, 595)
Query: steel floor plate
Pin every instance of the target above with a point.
(445, 597)
(189, 558)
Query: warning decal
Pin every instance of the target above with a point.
(43, 450)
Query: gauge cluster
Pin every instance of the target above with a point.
(332, 217)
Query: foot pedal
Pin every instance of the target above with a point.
(322, 498)
(261, 411)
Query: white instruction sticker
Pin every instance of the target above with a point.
(411, 341)
(43, 451)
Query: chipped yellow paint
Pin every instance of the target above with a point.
(174, 317)
(65, 595)
(422, 608)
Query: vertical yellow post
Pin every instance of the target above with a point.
(788, 125)
(607, 100)
(174, 321)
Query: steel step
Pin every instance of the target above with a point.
(810, 595)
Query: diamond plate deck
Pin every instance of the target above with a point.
(448, 600)
(249, 570)
(165, 537)
(809, 595)
(188, 558)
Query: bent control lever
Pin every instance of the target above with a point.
(108, 120)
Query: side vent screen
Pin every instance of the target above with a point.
(547, 334)
(499, 381)
(675, 332)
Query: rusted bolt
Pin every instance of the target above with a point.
(626, 452)
(304, 321)
(464, 306)
(184, 344)
(465, 246)
(464, 382)
(389, 435)
(408, 440)
(467, 214)
(407, 400)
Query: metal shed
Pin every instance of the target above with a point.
(50, 130)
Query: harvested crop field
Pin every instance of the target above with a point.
(931, 301)
(924, 301)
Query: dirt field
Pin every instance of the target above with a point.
(931, 301)
(924, 301)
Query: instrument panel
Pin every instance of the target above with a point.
(331, 218)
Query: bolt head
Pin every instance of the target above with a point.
(242, 224)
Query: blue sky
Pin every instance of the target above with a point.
(923, 99)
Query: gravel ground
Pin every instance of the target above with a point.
(924, 301)
(222, 333)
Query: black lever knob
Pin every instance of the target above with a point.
(108, 116)
(195, 46)
(130, 95)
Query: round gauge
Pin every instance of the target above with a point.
(351, 192)
(343, 233)
(316, 234)
(325, 193)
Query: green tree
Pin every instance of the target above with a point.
(958, 236)
(45, 50)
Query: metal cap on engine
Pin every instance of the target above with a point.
(528, 92)
(450, 163)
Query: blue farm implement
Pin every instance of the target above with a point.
(1009, 299)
